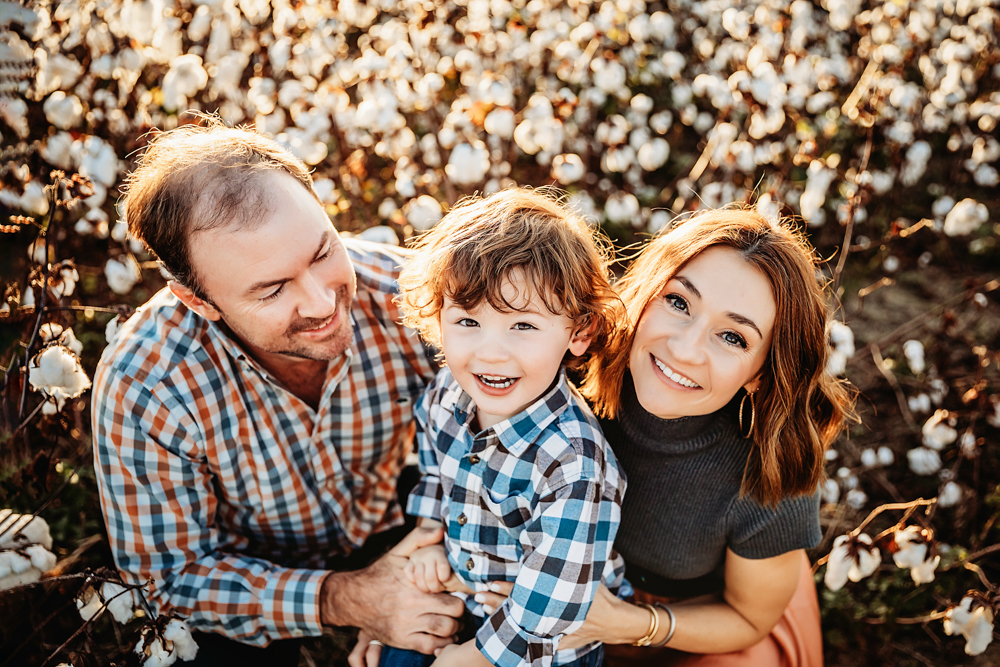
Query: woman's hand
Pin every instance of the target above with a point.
(609, 620)
(365, 653)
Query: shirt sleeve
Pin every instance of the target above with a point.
(563, 564)
(159, 503)
(764, 532)
(425, 498)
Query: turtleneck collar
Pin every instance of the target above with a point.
(685, 435)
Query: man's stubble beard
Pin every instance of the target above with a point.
(334, 346)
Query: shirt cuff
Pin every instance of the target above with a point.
(425, 499)
(291, 602)
(506, 644)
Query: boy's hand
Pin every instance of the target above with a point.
(429, 568)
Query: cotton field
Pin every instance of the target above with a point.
(875, 125)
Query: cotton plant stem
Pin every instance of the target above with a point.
(894, 383)
(891, 506)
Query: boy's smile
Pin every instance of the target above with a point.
(506, 360)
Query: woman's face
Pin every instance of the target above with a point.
(703, 337)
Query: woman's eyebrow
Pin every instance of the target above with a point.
(742, 319)
(689, 285)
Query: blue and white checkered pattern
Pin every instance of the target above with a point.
(535, 500)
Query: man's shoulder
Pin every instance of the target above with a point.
(155, 341)
(377, 265)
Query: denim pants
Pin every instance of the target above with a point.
(397, 657)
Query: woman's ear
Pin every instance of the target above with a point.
(580, 341)
(753, 385)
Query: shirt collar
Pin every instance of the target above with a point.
(520, 431)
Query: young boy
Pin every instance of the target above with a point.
(511, 288)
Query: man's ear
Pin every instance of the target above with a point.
(580, 341)
(194, 302)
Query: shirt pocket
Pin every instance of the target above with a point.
(511, 515)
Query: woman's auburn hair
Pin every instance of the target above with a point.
(800, 408)
(470, 254)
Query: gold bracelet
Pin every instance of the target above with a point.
(654, 626)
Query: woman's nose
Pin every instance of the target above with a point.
(688, 344)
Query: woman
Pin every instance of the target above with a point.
(718, 408)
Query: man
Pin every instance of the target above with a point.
(250, 422)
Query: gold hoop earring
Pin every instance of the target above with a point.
(753, 414)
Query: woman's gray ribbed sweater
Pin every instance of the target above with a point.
(682, 507)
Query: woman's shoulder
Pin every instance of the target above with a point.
(762, 531)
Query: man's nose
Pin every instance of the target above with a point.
(318, 301)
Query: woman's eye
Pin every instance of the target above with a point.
(523, 326)
(677, 302)
(467, 322)
(734, 338)
(274, 295)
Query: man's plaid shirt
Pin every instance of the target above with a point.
(227, 490)
(536, 500)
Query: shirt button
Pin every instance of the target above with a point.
(469, 564)
(462, 519)
(474, 459)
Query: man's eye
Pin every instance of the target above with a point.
(523, 326)
(274, 295)
(467, 322)
(735, 339)
(677, 302)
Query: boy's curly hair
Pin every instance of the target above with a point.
(469, 254)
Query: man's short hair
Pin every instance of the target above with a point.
(200, 177)
(472, 251)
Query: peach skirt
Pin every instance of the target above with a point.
(796, 641)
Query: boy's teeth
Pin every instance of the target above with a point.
(496, 381)
(676, 377)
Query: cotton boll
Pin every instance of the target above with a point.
(885, 456)
(654, 154)
(380, 234)
(15, 113)
(936, 432)
(949, 495)
(622, 208)
(923, 461)
(972, 620)
(62, 110)
(817, 183)
(986, 176)
(830, 491)
(122, 274)
(56, 373)
(965, 218)
(423, 212)
(184, 79)
(915, 163)
(98, 161)
(568, 168)
(500, 123)
(843, 565)
(17, 530)
(856, 499)
(34, 201)
(869, 458)
(468, 163)
(942, 206)
(913, 350)
(912, 551)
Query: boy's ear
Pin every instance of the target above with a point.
(194, 302)
(580, 341)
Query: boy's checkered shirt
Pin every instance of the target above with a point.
(535, 500)
(229, 492)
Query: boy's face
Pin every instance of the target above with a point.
(506, 361)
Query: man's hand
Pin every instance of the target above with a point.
(461, 655)
(382, 601)
(428, 568)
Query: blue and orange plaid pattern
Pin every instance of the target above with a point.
(228, 491)
(535, 500)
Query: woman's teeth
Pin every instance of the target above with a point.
(495, 381)
(676, 377)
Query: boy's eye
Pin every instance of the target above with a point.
(734, 339)
(467, 322)
(274, 295)
(677, 302)
(523, 326)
